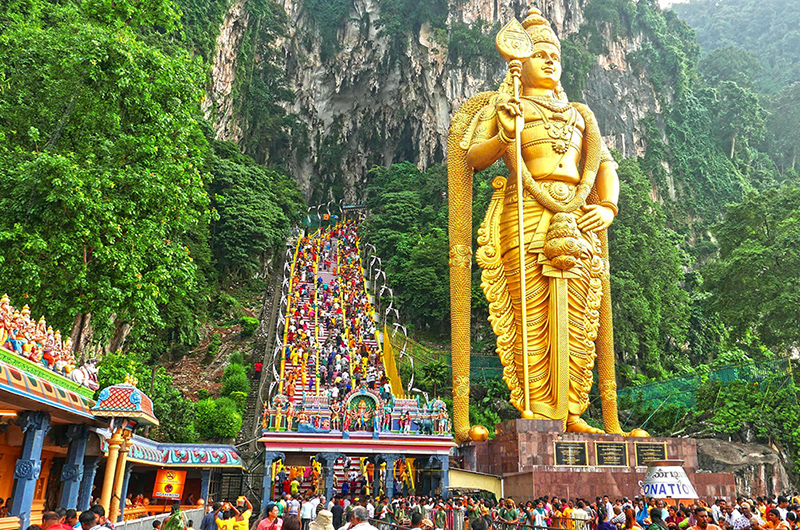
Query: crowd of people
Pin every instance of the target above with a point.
(330, 344)
(95, 519)
(344, 512)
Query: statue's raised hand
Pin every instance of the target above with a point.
(508, 108)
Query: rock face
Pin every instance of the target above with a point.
(372, 102)
(219, 105)
(758, 469)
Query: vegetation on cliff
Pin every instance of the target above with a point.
(122, 219)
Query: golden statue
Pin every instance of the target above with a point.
(549, 339)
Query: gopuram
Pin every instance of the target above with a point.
(543, 248)
(339, 420)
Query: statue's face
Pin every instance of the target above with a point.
(543, 69)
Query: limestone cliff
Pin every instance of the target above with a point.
(758, 469)
(376, 102)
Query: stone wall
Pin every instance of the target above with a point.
(523, 453)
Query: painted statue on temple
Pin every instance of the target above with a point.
(336, 416)
(387, 418)
(543, 245)
(36, 341)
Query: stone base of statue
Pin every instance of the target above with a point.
(535, 459)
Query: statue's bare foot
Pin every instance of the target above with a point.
(577, 424)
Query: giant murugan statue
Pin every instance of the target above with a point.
(542, 245)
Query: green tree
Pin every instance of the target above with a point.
(769, 29)
(739, 117)
(730, 64)
(752, 288)
(649, 305)
(434, 377)
(256, 206)
(783, 130)
(761, 410)
(100, 130)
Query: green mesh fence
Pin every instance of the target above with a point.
(482, 367)
(682, 390)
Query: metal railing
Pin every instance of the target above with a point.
(146, 523)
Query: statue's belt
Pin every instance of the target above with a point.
(560, 191)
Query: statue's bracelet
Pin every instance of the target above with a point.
(611, 206)
(501, 135)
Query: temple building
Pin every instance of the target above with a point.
(61, 448)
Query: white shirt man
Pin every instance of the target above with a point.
(360, 521)
(609, 509)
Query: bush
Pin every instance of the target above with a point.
(228, 424)
(233, 370)
(217, 419)
(236, 357)
(240, 398)
(225, 404)
(202, 394)
(235, 383)
(249, 326)
(205, 419)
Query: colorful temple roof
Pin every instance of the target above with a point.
(37, 369)
(26, 385)
(146, 451)
(125, 401)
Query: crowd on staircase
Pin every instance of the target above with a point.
(330, 343)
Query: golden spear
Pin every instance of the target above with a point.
(515, 45)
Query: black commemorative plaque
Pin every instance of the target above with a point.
(571, 454)
(650, 451)
(611, 454)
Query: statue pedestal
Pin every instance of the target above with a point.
(536, 458)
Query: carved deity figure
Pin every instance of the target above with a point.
(543, 248)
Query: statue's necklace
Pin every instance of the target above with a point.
(560, 133)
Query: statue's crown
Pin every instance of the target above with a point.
(539, 28)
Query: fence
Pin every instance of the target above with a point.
(682, 390)
(146, 523)
(481, 366)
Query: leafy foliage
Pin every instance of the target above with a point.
(472, 45)
(758, 243)
(101, 133)
(256, 206)
(765, 411)
(769, 29)
(218, 419)
(649, 306)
